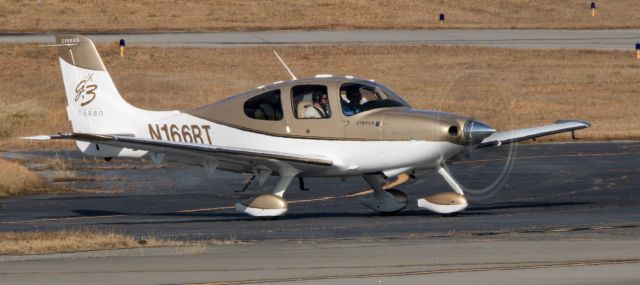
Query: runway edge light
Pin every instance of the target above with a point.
(593, 9)
(122, 44)
(638, 50)
(441, 18)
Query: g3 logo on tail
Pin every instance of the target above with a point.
(85, 91)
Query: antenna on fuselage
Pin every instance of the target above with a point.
(285, 66)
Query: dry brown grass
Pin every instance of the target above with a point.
(507, 88)
(68, 165)
(72, 241)
(16, 179)
(205, 15)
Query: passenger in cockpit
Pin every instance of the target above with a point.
(353, 106)
(320, 108)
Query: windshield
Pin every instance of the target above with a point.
(357, 97)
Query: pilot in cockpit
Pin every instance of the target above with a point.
(320, 108)
(353, 106)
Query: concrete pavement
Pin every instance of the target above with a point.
(432, 261)
(575, 39)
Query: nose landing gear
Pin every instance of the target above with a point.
(446, 203)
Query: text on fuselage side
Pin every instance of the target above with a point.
(183, 133)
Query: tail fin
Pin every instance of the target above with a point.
(94, 105)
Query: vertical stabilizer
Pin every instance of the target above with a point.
(93, 102)
(94, 105)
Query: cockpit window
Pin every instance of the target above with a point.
(266, 106)
(361, 97)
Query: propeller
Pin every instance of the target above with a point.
(450, 203)
(474, 133)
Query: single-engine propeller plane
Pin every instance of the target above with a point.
(325, 126)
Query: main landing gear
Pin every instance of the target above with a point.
(386, 201)
(267, 205)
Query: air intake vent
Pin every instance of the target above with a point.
(453, 131)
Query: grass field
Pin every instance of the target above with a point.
(15, 179)
(201, 15)
(503, 87)
(72, 241)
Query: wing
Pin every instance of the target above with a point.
(500, 138)
(194, 150)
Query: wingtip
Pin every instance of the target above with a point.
(37, 138)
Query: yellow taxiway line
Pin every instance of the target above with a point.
(401, 179)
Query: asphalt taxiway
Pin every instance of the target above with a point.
(560, 213)
(579, 39)
(559, 187)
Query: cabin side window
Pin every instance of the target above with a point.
(310, 102)
(266, 106)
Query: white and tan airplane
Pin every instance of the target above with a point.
(326, 126)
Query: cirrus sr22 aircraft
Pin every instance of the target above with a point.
(357, 128)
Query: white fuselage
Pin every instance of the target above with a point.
(350, 157)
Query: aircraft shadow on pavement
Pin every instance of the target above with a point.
(97, 213)
(523, 205)
(213, 217)
(225, 217)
